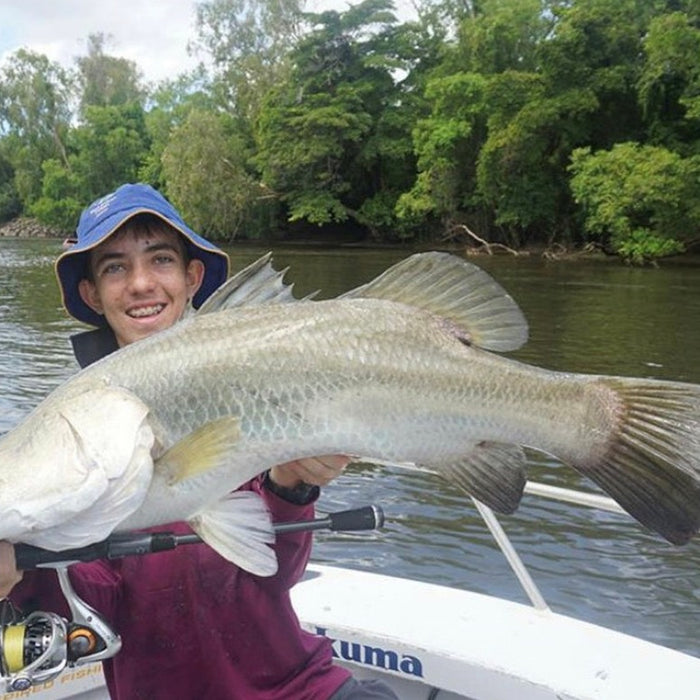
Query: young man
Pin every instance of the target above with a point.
(192, 624)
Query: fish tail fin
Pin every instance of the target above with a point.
(651, 464)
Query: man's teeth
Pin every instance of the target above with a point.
(146, 311)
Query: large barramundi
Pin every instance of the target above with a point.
(401, 370)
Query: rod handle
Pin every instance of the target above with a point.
(129, 543)
(365, 518)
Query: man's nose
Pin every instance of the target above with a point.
(141, 277)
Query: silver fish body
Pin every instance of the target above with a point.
(225, 395)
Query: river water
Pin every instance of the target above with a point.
(597, 317)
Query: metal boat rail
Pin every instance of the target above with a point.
(581, 498)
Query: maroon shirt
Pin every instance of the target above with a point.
(195, 626)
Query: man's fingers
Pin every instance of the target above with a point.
(318, 471)
(9, 576)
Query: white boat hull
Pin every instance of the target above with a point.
(421, 637)
(480, 647)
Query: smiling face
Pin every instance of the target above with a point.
(141, 280)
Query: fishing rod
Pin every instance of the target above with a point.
(135, 543)
(37, 647)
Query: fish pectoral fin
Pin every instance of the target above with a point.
(491, 472)
(201, 451)
(484, 314)
(239, 528)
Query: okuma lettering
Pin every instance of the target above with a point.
(374, 656)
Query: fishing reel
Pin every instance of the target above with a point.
(37, 647)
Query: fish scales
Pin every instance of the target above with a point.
(292, 372)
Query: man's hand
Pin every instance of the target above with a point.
(317, 471)
(9, 576)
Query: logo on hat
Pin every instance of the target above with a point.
(102, 205)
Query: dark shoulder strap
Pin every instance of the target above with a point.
(90, 346)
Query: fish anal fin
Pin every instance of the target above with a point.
(239, 528)
(491, 472)
(201, 451)
(482, 312)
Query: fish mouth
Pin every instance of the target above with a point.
(146, 311)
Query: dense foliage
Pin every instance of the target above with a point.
(528, 122)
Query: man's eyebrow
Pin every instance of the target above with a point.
(163, 245)
(98, 258)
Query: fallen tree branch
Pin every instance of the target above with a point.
(488, 247)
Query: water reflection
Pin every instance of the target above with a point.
(586, 317)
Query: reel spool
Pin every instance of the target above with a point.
(36, 648)
(32, 649)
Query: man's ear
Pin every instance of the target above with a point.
(88, 293)
(194, 274)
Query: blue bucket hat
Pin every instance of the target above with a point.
(103, 217)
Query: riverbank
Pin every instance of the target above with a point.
(26, 227)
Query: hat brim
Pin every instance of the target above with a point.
(71, 266)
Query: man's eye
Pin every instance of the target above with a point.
(164, 259)
(111, 269)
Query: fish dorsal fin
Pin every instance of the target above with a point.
(456, 290)
(491, 472)
(255, 285)
(200, 451)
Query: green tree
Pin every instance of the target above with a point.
(642, 201)
(499, 35)
(248, 42)
(107, 150)
(60, 202)
(583, 63)
(521, 170)
(110, 147)
(321, 136)
(390, 155)
(107, 81)
(486, 77)
(669, 84)
(10, 205)
(35, 115)
(447, 144)
(170, 104)
(205, 167)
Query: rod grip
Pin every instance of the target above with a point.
(366, 518)
(29, 557)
